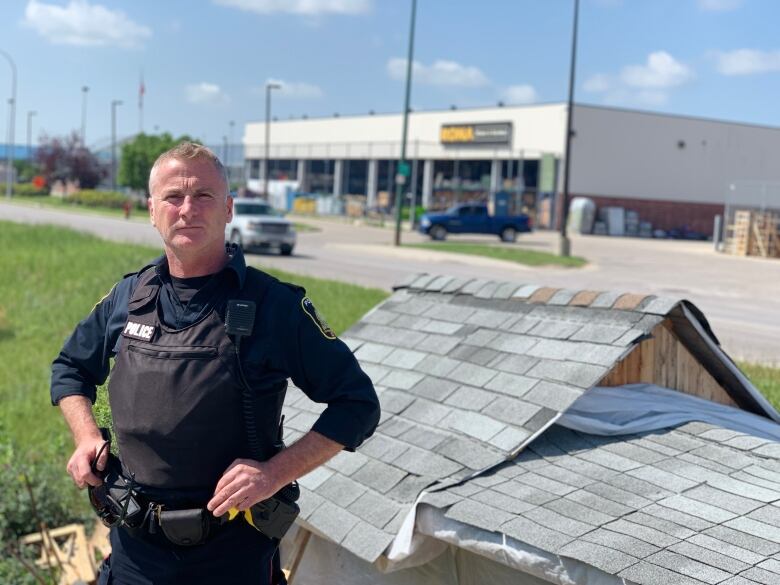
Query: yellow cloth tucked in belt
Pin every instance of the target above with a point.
(234, 512)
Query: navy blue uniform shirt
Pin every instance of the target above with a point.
(287, 343)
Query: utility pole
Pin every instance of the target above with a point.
(565, 244)
(84, 91)
(403, 166)
(11, 130)
(30, 114)
(114, 104)
(268, 87)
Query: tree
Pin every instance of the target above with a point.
(66, 159)
(138, 156)
(25, 170)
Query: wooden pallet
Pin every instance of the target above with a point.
(69, 549)
(754, 233)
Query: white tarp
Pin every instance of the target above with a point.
(431, 549)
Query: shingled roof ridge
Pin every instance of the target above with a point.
(539, 295)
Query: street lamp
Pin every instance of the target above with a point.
(224, 148)
(11, 129)
(84, 91)
(30, 114)
(232, 125)
(565, 244)
(268, 87)
(114, 104)
(403, 166)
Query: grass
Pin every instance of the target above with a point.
(305, 227)
(766, 379)
(59, 203)
(51, 279)
(508, 253)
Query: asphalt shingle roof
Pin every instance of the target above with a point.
(469, 373)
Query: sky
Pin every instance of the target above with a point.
(204, 63)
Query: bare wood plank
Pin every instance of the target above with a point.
(665, 361)
(647, 364)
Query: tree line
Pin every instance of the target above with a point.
(66, 159)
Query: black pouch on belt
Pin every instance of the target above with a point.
(185, 527)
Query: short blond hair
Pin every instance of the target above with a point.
(185, 151)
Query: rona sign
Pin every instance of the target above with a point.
(499, 133)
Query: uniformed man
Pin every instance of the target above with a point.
(179, 386)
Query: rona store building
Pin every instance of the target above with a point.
(674, 171)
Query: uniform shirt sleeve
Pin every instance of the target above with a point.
(84, 360)
(325, 369)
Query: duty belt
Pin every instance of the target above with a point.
(118, 502)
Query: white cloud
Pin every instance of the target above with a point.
(441, 72)
(719, 5)
(661, 71)
(520, 94)
(205, 93)
(747, 62)
(301, 7)
(597, 83)
(647, 85)
(83, 24)
(292, 89)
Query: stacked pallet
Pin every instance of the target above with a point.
(754, 233)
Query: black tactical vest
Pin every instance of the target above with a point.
(176, 395)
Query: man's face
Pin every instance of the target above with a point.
(189, 207)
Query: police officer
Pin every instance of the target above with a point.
(178, 387)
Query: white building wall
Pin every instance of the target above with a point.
(635, 154)
(536, 129)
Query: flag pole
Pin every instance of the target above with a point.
(141, 92)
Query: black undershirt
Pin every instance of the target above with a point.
(186, 288)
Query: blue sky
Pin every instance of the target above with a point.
(205, 62)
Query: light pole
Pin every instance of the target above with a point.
(403, 166)
(565, 244)
(84, 90)
(30, 114)
(114, 104)
(268, 87)
(232, 125)
(11, 129)
(224, 147)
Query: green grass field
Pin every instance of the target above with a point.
(508, 253)
(51, 278)
(766, 379)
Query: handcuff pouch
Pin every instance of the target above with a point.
(185, 527)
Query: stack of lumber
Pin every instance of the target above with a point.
(754, 233)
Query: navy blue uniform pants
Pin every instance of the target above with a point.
(236, 554)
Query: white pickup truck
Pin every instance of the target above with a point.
(256, 224)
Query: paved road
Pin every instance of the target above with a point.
(740, 296)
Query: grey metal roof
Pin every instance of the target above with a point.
(468, 373)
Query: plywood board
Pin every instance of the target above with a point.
(663, 360)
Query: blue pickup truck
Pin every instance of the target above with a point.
(473, 218)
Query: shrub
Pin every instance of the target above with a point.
(93, 198)
(57, 502)
(29, 190)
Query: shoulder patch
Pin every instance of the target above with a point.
(319, 321)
